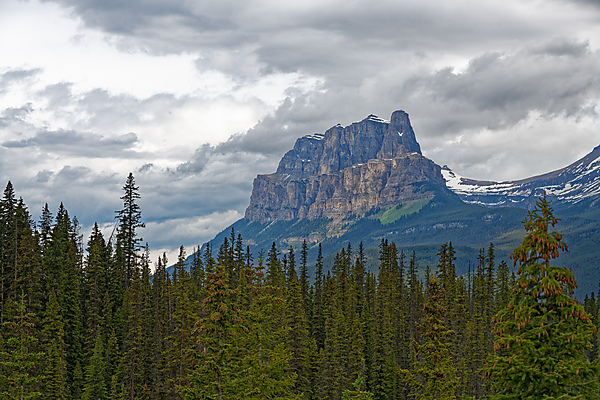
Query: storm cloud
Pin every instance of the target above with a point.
(196, 98)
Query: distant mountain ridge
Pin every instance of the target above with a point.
(571, 185)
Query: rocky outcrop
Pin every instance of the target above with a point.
(371, 163)
(341, 148)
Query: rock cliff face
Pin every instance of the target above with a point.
(371, 163)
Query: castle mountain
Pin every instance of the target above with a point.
(370, 164)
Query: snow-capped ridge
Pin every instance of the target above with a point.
(569, 185)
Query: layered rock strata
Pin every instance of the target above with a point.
(348, 170)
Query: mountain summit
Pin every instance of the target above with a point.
(349, 170)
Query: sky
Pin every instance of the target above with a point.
(196, 98)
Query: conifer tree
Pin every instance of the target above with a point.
(20, 359)
(462, 346)
(275, 275)
(304, 274)
(386, 381)
(542, 336)
(434, 376)
(45, 227)
(29, 268)
(318, 324)
(129, 220)
(94, 286)
(503, 286)
(8, 244)
(358, 393)
(218, 336)
(113, 369)
(298, 334)
(62, 273)
(264, 370)
(55, 381)
(95, 376)
(160, 329)
(132, 362)
(197, 268)
(181, 340)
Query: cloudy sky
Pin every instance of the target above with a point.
(197, 97)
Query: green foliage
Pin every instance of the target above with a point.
(95, 377)
(265, 361)
(393, 214)
(53, 334)
(231, 329)
(358, 393)
(20, 359)
(218, 334)
(130, 219)
(542, 335)
(434, 375)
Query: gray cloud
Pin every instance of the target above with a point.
(76, 144)
(58, 94)
(469, 74)
(199, 160)
(16, 75)
(498, 90)
(127, 17)
(338, 40)
(11, 115)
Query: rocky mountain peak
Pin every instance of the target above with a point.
(346, 170)
(341, 147)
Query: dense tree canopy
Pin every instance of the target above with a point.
(106, 322)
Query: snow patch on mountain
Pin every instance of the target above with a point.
(572, 184)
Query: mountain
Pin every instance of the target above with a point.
(576, 184)
(363, 183)
(351, 170)
(369, 181)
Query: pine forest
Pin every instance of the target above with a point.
(96, 318)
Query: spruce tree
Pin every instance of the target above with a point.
(95, 375)
(181, 341)
(20, 359)
(434, 376)
(8, 245)
(542, 336)
(304, 274)
(94, 286)
(298, 335)
(318, 324)
(218, 336)
(130, 219)
(55, 362)
(264, 370)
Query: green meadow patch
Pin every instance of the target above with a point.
(393, 214)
